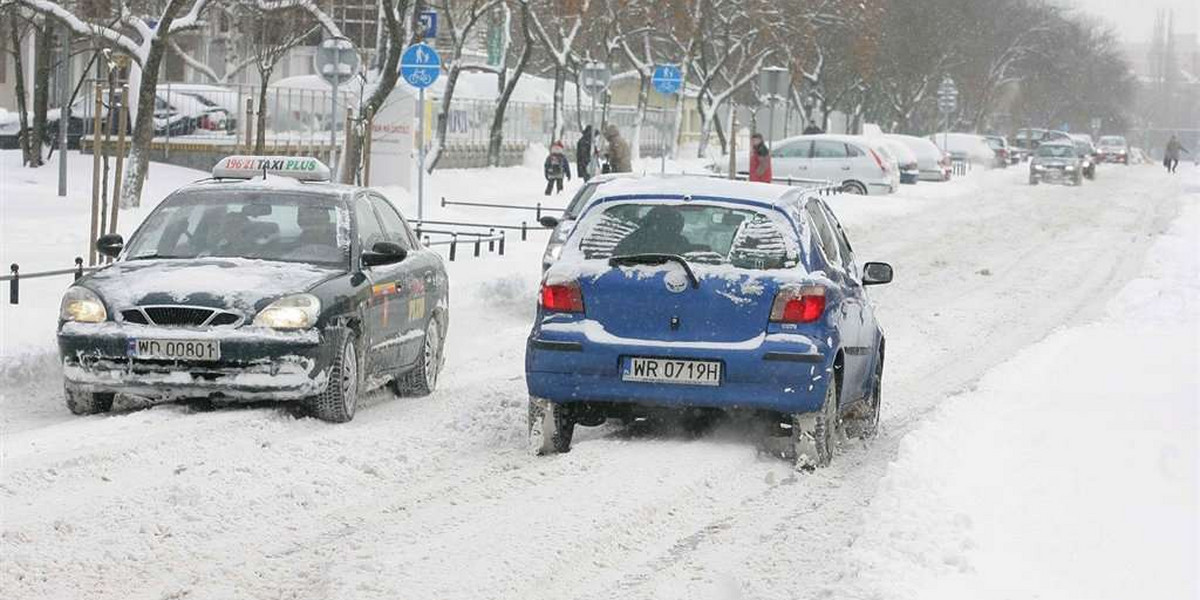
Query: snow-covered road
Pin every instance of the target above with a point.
(435, 498)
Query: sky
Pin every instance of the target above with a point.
(1134, 19)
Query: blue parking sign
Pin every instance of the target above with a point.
(429, 24)
(420, 65)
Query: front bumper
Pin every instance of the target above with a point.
(785, 372)
(254, 364)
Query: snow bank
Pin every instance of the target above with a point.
(1069, 472)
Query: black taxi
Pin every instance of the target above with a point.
(265, 282)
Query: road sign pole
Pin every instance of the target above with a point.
(420, 155)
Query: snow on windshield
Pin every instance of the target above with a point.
(702, 233)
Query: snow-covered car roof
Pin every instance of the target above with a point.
(837, 137)
(696, 185)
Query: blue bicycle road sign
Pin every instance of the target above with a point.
(667, 79)
(420, 65)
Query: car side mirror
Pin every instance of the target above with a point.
(384, 253)
(110, 244)
(876, 273)
(548, 222)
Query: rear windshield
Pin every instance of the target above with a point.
(1112, 140)
(1056, 151)
(706, 234)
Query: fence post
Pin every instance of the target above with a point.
(249, 125)
(418, 231)
(14, 284)
(477, 243)
(78, 267)
(443, 202)
(453, 246)
(491, 239)
(539, 211)
(426, 241)
(501, 243)
(523, 233)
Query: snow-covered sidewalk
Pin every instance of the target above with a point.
(1070, 471)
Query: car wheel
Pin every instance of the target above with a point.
(864, 422)
(550, 427)
(340, 399)
(812, 433)
(854, 187)
(82, 402)
(422, 380)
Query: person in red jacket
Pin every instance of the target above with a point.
(760, 159)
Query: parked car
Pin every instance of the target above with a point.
(1087, 153)
(1113, 149)
(966, 147)
(907, 166)
(1056, 162)
(214, 97)
(242, 289)
(999, 145)
(881, 148)
(932, 163)
(849, 161)
(706, 294)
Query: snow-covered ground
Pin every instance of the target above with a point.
(1038, 439)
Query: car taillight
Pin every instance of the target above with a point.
(798, 305)
(882, 167)
(564, 297)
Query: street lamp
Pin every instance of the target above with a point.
(773, 84)
(594, 78)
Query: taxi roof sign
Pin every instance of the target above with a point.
(302, 168)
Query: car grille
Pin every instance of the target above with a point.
(181, 316)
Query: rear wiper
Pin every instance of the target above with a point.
(655, 259)
(152, 256)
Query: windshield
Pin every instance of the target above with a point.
(581, 198)
(708, 234)
(1112, 140)
(1056, 151)
(266, 224)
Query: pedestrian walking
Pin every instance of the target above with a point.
(1171, 156)
(760, 159)
(556, 168)
(618, 151)
(583, 154)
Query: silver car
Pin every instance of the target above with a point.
(1056, 162)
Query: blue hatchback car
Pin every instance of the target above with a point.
(700, 293)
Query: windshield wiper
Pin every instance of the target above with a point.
(655, 259)
(152, 256)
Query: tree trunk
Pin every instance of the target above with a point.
(25, 135)
(443, 124)
(260, 122)
(496, 135)
(41, 89)
(388, 76)
(560, 80)
(635, 144)
(143, 126)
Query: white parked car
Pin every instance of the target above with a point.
(932, 163)
(908, 168)
(850, 161)
(966, 147)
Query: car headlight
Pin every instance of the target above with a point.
(1070, 167)
(1038, 167)
(299, 311)
(82, 305)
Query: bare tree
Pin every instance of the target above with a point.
(145, 40)
(557, 24)
(508, 82)
(459, 18)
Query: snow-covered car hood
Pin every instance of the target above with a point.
(235, 283)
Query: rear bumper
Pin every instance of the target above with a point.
(270, 366)
(780, 372)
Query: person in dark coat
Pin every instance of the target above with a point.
(583, 154)
(556, 167)
(1171, 156)
(812, 129)
(619, 159)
